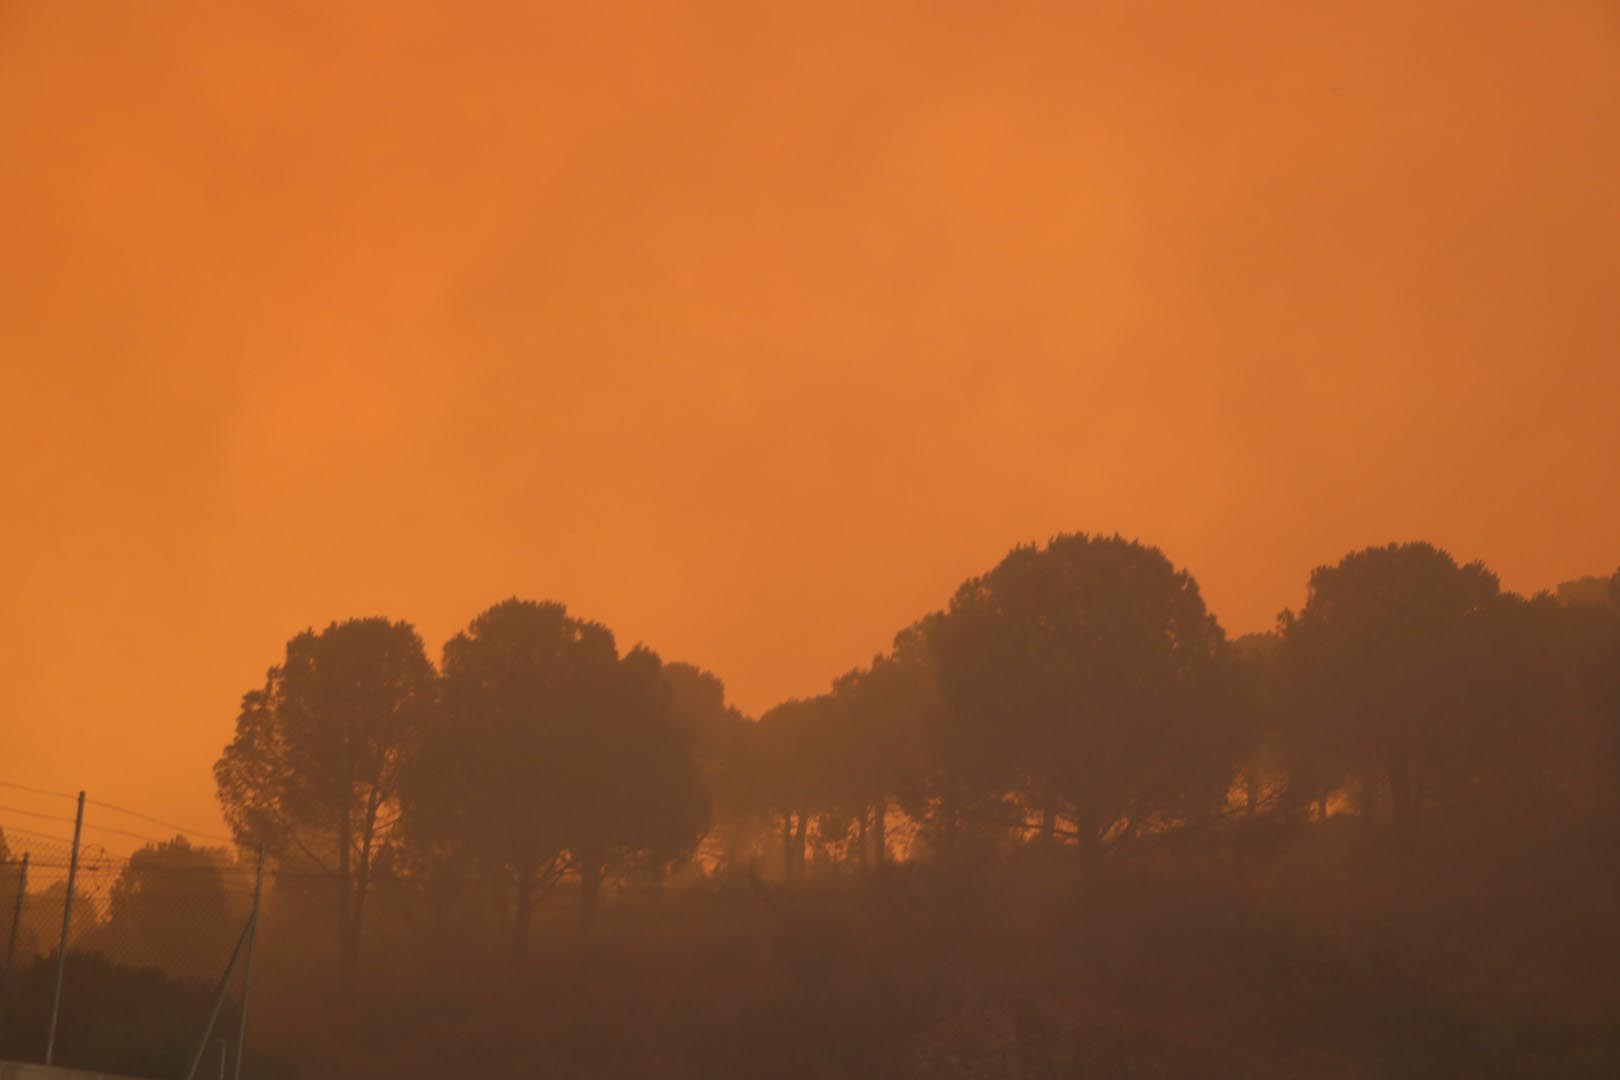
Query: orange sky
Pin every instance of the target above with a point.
(751, 330)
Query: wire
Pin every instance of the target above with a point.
(123, 832)
(39, 791)
(116, 809)
(36, 813)
(10, 830)
(160, 821)
(87, 824)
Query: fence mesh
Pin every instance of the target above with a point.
(150, 932)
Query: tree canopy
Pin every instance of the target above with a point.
(320, 751)
(1414, 678)
(1089, 677)
(550, 744)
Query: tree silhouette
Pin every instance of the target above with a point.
(316, 763)
(11, 882)
(799, 762)
(551, 743)
(1522, 734)
(41, 927)
(1090, 675)
(1589, 591)
(650, 806)
(1594, 619)
(723, 738)
(946, 777)
(168, 909)
(886, 708)
(1405, 673)
(1079, 695)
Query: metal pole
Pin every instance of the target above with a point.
(16, 921)
(67, 914)
(219, 1001)
(247, 966)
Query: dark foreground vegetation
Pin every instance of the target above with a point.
(123, 1018)
(1063, 829)
(1319, 962)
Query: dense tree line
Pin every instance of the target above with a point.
(1067, 773)
(1077, 699)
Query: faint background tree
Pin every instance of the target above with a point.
(168, 908)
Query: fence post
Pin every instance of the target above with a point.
(67, 914)
(16, 921)
(247, 967)
(219, 1001)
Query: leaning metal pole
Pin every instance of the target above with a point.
(219, 998)
(67, 914)
(247, 967)
(16, 921)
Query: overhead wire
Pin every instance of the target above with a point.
(184, 894)
(184, 829)
(159, 821)
(35, 814)
(38, 791)
(98, 856)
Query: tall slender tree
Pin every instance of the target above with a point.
(723, 737)
(800, 769)
(886, 707)
(319, 753)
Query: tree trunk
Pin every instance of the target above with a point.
(1368, 795)
(799, 831)
(590, 884)
(1088, 834)
(351, 962)
(880, 831)
(1088, 842)
(362, 885)
(1049, 822)
(522, 916)
(1405, 805)
(787, 845)
(348, 947)
(947, 812)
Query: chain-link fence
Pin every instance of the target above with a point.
(131, 963)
